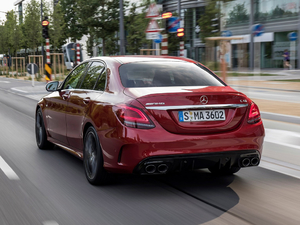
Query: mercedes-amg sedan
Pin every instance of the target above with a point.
(149, 115)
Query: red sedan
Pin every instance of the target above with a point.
(149, 115)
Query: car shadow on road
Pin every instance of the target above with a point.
(180, 198)
(210, 194)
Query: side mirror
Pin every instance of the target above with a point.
(52, 86)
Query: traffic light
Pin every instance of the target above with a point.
(45, 24)
(215, 25)
(180, 32)
(166, 15)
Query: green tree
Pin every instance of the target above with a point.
(15, 34)
(100, 17)
(173, 42)
(32, 25)
(57, 28)
(238, 14)
(135, 25)
(90, 44)
(112, 47)
(74, 29)
(4, 36)
(212, 10)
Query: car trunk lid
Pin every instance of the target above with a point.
(193, 110)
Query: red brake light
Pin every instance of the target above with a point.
(254, 114)
(133, 117)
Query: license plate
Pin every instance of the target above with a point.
(201, 115)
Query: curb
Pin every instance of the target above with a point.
(280, 117)
(276, 89)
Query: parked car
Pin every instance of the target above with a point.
(149, 115)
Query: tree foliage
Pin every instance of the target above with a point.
(135, 25)
(74, 29)
(32, 25)
(3, 39)
(57, 25)
(100, 18)
(238, 14)
(212, 11)
(11, 36)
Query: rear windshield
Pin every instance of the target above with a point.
(165, 74)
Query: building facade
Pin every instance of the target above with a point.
(279, 18)
(190, 13)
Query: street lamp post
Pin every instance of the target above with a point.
(42, 20)
(179, 9)
(122, 46)
(251, 44)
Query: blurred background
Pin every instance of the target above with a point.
(264, 28)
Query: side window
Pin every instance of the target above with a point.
(100, 86)
(92, 75)
(75, 77)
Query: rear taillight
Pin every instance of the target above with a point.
(133, 117)
(254, 114)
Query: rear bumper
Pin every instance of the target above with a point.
(129, 150)
(166, 164)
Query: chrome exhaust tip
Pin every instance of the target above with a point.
(254, 161)
(246, 162)
(162, 168)
(150, 168)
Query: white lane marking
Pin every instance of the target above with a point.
(8, 170)
(7, 82)
(282, 137)
(15, 89)
(50, 222)
(35, 97)
(280, 169)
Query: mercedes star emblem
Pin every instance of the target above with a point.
(203, 99)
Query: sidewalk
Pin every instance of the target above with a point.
(35, 92)
(272, 83)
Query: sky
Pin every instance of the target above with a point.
(6, 5)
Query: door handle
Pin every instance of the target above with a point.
(86, 100)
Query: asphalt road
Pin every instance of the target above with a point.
(49, 187)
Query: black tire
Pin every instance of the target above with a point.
(93, 158)
(40, 132)
(224, 171)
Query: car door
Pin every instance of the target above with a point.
(79, 102)
(57, 105)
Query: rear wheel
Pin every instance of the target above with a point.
(93, 158)
(40, 132)
(224, 170)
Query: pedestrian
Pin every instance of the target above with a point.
(286, 59)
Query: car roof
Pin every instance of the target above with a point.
(147, 58)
